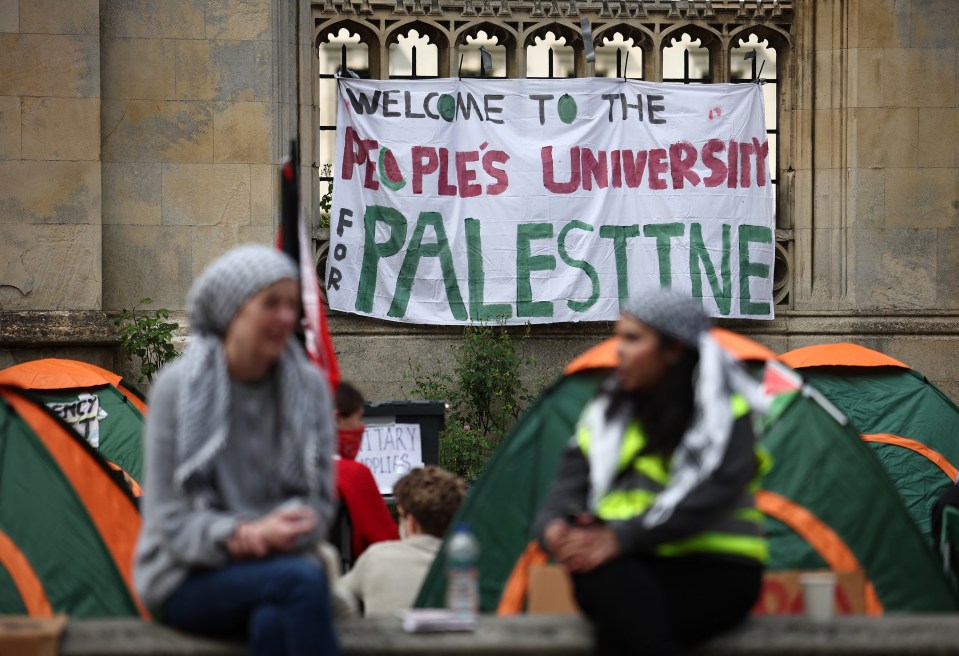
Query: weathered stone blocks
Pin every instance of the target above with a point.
(146, 261)
(157, 131)
(264, 185)
(157, 19)
(50, 266)
(235, 71)
(241, 133)
(867, 76)
(50, 192)
(131, 193)
(9, 15)
(885, 137)
(933, 24)
(49, 65)
(923, 77)
(947, 270)
(58, 17)
(61, 129)
(922, 198)
(139, 69)
(939, 136)
(198, 194)
(867, 197)
(238, 19)
(9, 127)
(878, 24)
(895, 268)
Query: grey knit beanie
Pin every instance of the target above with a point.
(230, 280)
(674, 314)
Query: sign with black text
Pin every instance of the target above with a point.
(461, 201)
(391, 451)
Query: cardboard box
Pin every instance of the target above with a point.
(31, 636)
(782, 594)
(550, 591)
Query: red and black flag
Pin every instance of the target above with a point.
(293, 240)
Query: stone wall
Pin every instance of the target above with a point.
(50, 182)
(140, 138)
(188, 143)
(50, 206)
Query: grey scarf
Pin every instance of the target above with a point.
(204, 401)
(204, 406)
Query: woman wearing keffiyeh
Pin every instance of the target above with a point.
(651, 510)
(238, 468)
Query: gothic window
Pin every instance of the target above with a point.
(549, 56)
(619, 53)
(339, 49)
(413, 56)
(755, 55)
(685, 59)
(752, 58)
(469, 59)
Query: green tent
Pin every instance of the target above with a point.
(828, 501)
(910, 425)
(96, 404)
(68, 520)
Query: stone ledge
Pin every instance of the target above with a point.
(57, 327)
(787, 323)
(895, 635)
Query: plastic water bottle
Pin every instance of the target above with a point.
(462, 574)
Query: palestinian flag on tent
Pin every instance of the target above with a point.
(828, 501)
(68, 523)
(910, 425)
(94, 402)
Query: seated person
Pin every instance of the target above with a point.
(355, 486)
(238, 468)
(388, 576)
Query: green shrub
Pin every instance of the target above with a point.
(326, 200)
(484, 395)
(147, 337)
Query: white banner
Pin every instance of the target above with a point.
(460, 201)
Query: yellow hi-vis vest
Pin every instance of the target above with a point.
(640, 478)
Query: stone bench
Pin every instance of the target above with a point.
(896, 635)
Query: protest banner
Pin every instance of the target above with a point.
(390, 451)
(461, 201)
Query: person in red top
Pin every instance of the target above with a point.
(369, 518)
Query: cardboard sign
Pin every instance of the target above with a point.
(390, 451)
(462, 201)
(84, 415)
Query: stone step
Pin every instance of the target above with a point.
(532, 635)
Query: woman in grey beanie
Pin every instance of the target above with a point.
(238, 468)
(651, 511)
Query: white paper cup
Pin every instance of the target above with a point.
(819, 594)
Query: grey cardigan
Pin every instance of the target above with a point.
(183, 530)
